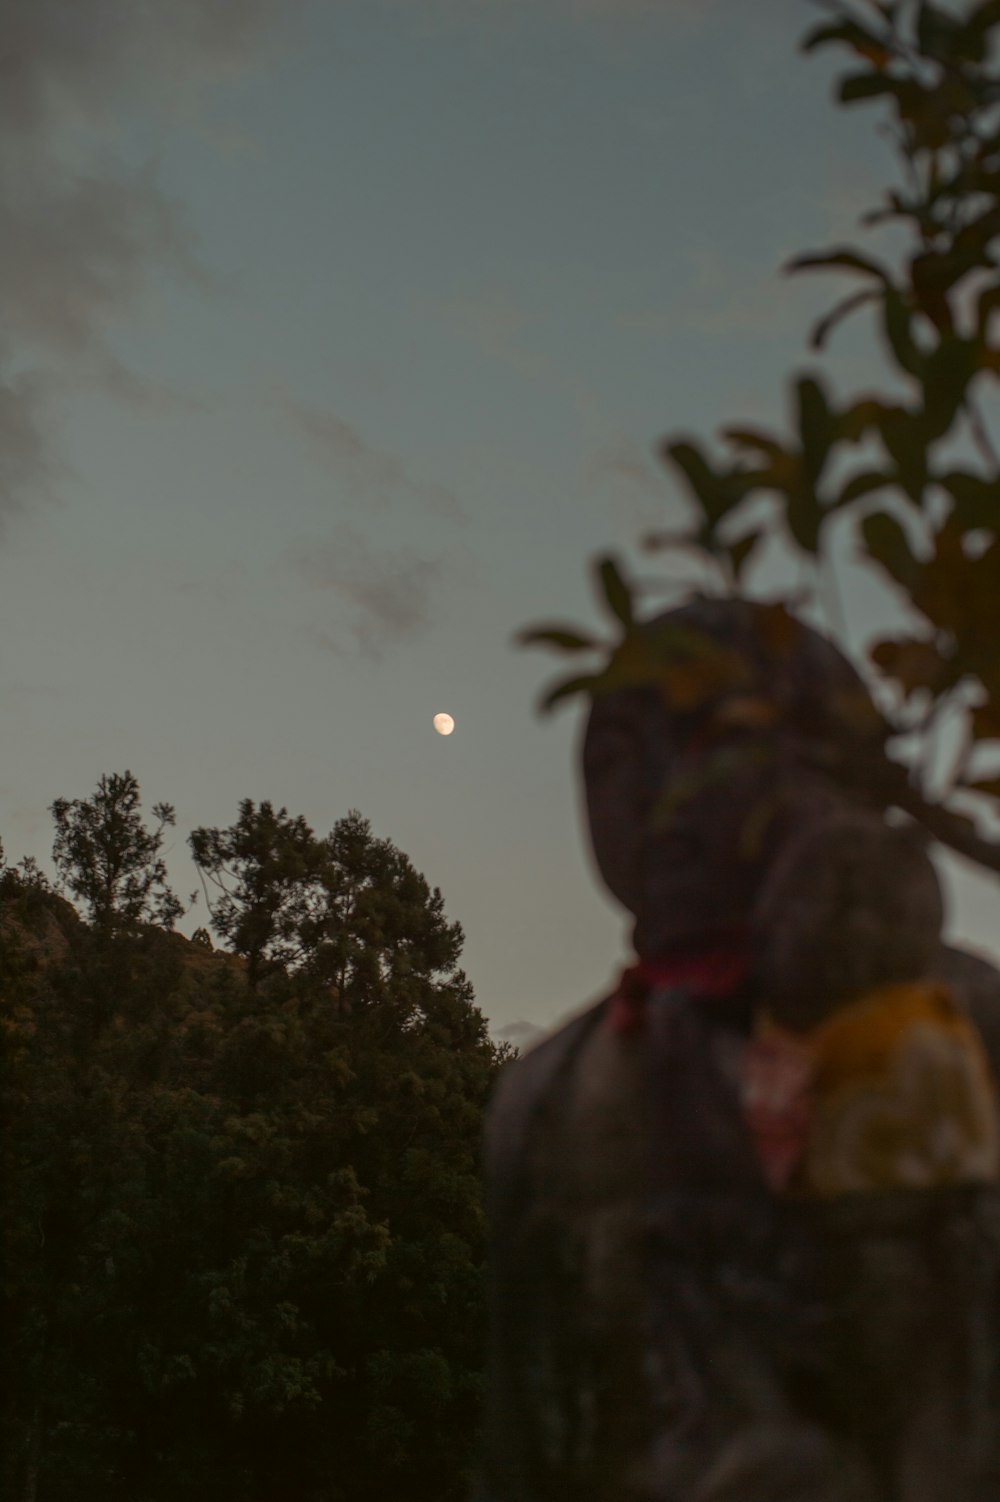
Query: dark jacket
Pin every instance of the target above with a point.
(665, 1330)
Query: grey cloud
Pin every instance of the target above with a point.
(25, 466)
(89, 54)
(371, 474)
(81, 235)
(77, 253)
(382, 596)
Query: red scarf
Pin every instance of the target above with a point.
(715, 972)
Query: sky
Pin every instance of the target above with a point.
(336, 339)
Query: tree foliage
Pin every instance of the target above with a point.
(245, 1240)
(911, 471)
(264, 870)
(109, 860)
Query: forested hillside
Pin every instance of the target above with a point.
(244, 1230)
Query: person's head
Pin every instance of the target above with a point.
(694, 780)
(850, 904)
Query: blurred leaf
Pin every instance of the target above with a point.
(616, 592)
(854, 35)
(863, 484)
(716, 493)
(914, 664)
(824, 327)
(562, 638)
(989, 303)
(990, 786)
(902, 435)
(984, 722)
(932, 276)
(756, 440)
(816, 428)
(940, 592)
(887, 542)
(977, 501)
(855, 421)
(937, 31)
(844, 258)
(946, 374)
(897, 319)
(565, 688)
(981, 21)
(867, 85)
(804, 516)
(740, 552)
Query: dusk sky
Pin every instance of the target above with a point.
(336, 340)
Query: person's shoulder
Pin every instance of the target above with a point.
(976, 984)
(526, 1081)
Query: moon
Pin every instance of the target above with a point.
(444, 724)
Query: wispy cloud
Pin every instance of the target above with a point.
(82, 235)
(497, 325)
(370, 474)
(380, 596)
(25, 465)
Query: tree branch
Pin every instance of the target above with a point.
(956, 831)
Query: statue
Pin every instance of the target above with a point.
(689, 1303)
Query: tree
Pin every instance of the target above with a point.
(379, 935)
(264, 869)
(911, 473)
(106, 857)
(245, 1250)
(349, 911)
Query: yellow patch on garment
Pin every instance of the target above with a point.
(902, 1096)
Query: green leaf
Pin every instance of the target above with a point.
(937, 32)
(914, 663)
(740, 552)
(868, 85)
(977, 501)
(756, 440)
(842, 257)
(857, 420)
(715, 493)
(863, 484)
(565, 688)
(897, 319)
(562, 638)
(816, 428)
(887, 542)
(855, 35)
(982, 20)
(947, 372)
(805, 517)
(990, 786)
(989, 303)
(616, 592)
(822, 330)
(902, 435)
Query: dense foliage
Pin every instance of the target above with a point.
(244, 1244)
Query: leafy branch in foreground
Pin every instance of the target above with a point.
(913, 471)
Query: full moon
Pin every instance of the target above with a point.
(444, 724)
